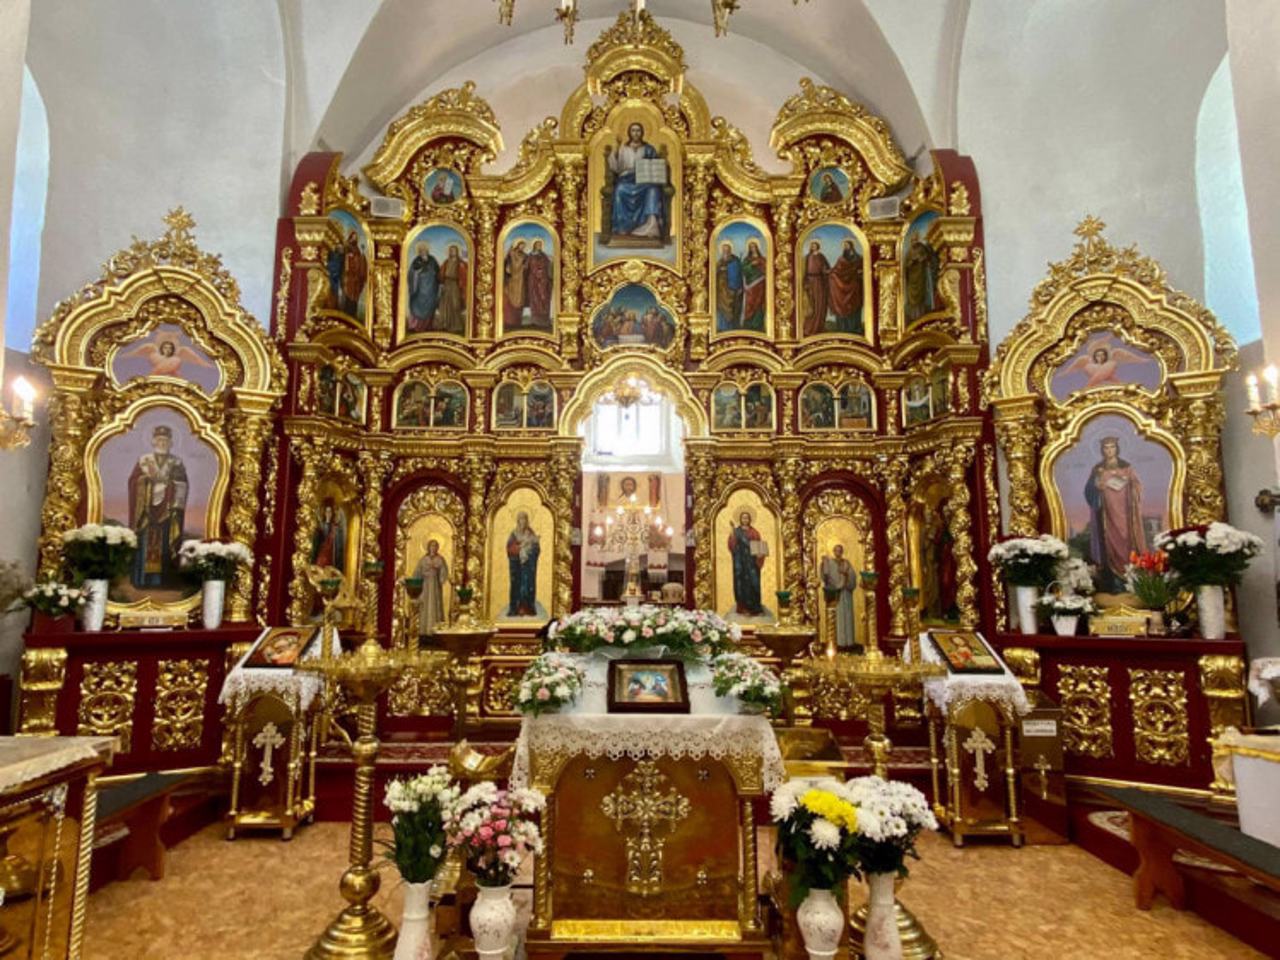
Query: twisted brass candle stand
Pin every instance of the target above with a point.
(467, 637)
(361, 930)
(786, 640)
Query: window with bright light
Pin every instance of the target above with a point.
(639, 434)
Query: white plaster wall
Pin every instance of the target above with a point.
(14, 19)
(151, 105)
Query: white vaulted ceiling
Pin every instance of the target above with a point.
(1067, 107)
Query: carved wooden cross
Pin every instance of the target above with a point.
(979, 744)
(650, 811)
(268, 739)
(1043, 768)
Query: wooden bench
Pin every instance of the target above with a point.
(130, 816)
(1162, 827)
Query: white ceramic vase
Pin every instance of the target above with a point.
(821, 922)
(1212, 604)
(1064, 624)
(417, 934)
(493, 922)
(1024, 599)
(212, 597)
(95, 604)
(881, 939)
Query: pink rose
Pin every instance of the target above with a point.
(696, 635)
(500, 825)
(486, 833)
(544, 693)
(647, 632)
(504, 840)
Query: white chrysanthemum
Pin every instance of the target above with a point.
(824, 834)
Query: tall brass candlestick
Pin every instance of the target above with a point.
(361, 930)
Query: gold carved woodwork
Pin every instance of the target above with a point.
(1159, 699)
(179, 704)
(1085, 696)
(44, 670)
(1023, 663)
(1223, 686)
(642, 812)
(893, 474)
(107, 693)
(960, 524)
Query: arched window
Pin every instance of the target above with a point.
(30, 186)
(1229, 288)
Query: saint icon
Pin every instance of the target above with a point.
(839, 580)
(523, 547)
(433, 570)
(158, 489)
(749, 552)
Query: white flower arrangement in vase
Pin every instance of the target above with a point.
(686, 634)
(1206, 559)
(215, 563)
(1066, 609)
(755, 686)
(1028, 564)
(97, 553)
(53, 598)
(550, 682)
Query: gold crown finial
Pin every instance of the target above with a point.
(1090, 228)
(179, 221)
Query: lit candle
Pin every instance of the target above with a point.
(1272, 377)
(24, 395)
(670, 531)
(564, 4)
(1255, 398)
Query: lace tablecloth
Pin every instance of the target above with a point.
(1264, 672)
(713, 728)
(955, 690)
(244, 682)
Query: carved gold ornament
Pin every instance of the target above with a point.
(107, 694)
(1085, 695)
(642, 812)
(1159, 699)
(179, 704)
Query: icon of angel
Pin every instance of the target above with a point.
(166, 355)
(1101, 365)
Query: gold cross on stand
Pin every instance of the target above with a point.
(650, 810)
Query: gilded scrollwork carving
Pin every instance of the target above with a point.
(107, 693)
(1159, 700)
(44, 670)
(179, 704)
(1085, 695)
(957, 511)
(893, 474)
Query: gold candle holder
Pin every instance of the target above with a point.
(467, 637)
(360, 929)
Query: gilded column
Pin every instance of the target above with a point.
(486, 221)
(476, 470)
(569, 182)
(960, 526)
(1199, 418)
(71, 412)
(788, 472)
(565, 464)
(1019, 432)
(893, 474)
(248, 427)
(374, 468)
(310, 455)
(783, 270)
(702, 472)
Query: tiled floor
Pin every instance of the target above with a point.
(264, 899)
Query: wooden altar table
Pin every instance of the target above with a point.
(649, 826)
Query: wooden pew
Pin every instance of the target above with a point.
(1162, 827)
(138, 809)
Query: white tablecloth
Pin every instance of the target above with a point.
(244, 682)
(955, 690)
(713, 728)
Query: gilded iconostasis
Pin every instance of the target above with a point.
(464, 366)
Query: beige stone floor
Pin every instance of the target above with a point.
(264, 899)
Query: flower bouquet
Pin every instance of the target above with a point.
(551, 681)
(1028, 564)
(214, 563)
(686, 634)
(1206, 559)
(494, 830)
(1065, 609)
(1074, 576)
(1149, 579)
(212, 559)
(756, 686)
(96, 554)
(817, 835)
(54, 604)
(418, 848)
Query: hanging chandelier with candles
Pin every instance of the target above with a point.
(568, 16)
(631, 391)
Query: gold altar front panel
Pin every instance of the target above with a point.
(676, 859)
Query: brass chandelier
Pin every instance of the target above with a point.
(567, 13)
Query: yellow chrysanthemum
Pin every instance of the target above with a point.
(823, 803)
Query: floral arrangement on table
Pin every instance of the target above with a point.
(892, 815)
(755, 685)
(495, 830)
(1074, 576)
(418, 806)
(213, 559)
(97, 551)
(1028, 561)
(52, 598)
(1214, 554)
(686, 634)
(817, 834)
(1067, 604)
(551, 681)
(1149, 578)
